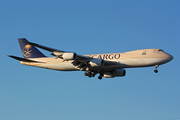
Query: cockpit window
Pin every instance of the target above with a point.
(160, 50)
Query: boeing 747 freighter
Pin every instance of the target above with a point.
(106, 65)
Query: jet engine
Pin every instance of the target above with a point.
(115, 73)
(96, 62)
(69, 56)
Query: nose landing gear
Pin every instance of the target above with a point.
(156, 71)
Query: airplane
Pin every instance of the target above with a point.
(106, 65)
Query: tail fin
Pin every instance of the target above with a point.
(29, 51)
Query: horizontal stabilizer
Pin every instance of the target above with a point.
(22, 59)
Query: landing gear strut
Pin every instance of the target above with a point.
(156, 71)
(100, 76)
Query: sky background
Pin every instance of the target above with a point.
(89, 27)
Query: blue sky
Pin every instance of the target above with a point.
(89, 27)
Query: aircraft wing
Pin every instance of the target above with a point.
(55, 52)
(81, 62)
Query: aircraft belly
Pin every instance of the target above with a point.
(60, 66)
(125, 63)
(143, 62)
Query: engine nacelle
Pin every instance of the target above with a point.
(96, 62)
(69, 56)
(115, 73)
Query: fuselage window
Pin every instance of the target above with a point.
(144, 53)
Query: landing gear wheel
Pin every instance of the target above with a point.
(86, 74)
(99, 77)
(90, 73)
(156, 71)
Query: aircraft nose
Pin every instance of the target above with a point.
(169, 57)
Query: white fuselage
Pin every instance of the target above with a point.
(137, 58)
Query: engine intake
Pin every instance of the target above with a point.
(96, 62)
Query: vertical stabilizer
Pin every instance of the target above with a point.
(28, 50)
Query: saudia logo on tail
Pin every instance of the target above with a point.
(27, 51)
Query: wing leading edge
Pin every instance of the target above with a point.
(55, 52)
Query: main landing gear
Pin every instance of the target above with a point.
(100, 76)
(91, 73)
(156, 71)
